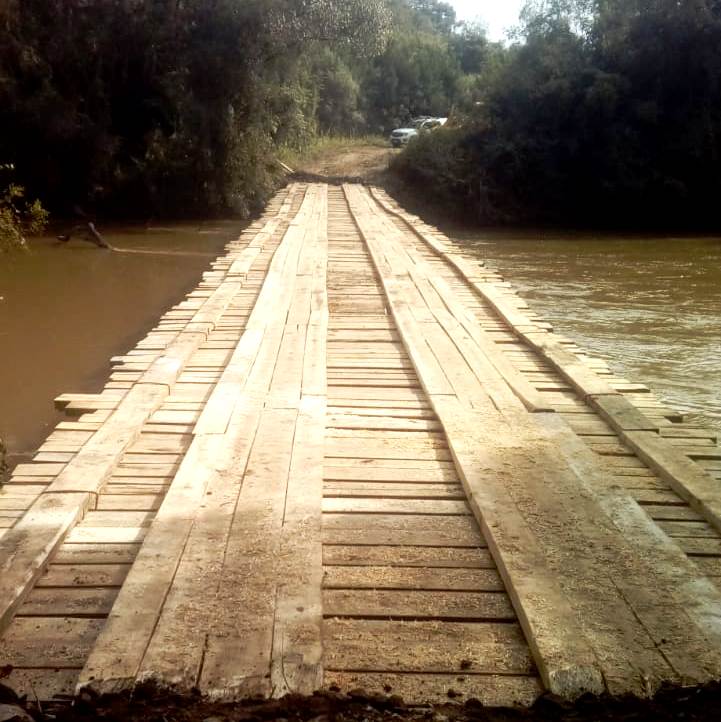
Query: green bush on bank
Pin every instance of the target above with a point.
(18, 218)
(601, 113)
(440, 164)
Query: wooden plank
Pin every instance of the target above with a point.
(679, 611)
(414, 604)
(632, 424)
(118, 518)
(688, 528)
(46, 470)
(530, 396)
(379, 407)
(49, 642)
(106, 535)
(171, 644)
(139, 633)
(129, 502)
(296, 664)
(593, 385)
(263, 332)
(353, 555)
(356, 489)
(115, 660)
(84, 575)
(387, 448)
(237, 652)
(431, 507)
(172, 649)
(70, 602)
(95, 554)
(568, 666)
(441, 647)
(207, 459)
(25, 549)
(443, 536)
(412, 578)
(664, 512)
(91, 467)
(684, 476)
(381, 423)
(360, 472)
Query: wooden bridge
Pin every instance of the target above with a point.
(351, 459)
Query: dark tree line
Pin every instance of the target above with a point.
(602, 112)
(140, 107)
(157, 106)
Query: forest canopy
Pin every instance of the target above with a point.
(595, 110)
(601, 112)
(139, 107)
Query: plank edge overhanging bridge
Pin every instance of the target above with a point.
(353, 458)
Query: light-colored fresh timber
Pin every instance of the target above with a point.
(353, 458)
(629, 650)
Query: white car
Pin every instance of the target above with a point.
(401, 136)
(433, 123)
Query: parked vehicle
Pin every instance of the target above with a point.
(433, 123)
(402, 136)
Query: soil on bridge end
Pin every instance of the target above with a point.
(152, 705)
(348, 161)
(351, 162)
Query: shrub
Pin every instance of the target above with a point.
(18, 217)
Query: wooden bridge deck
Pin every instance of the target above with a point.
(352, 458)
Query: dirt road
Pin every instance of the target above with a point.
(365, 162)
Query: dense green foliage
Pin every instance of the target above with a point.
(161, 106)
(601, 112)
(18, 217)
(598, 110)
(143, 107)
(427, 67)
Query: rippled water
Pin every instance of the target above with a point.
(66, 309)
(650, 306)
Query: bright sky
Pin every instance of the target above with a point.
(496, 15)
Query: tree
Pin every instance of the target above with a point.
(603, 111)
(440, 16)
(149, 106)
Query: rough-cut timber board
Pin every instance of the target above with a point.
(315, 531)
(628, 648)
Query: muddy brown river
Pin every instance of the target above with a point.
(651, 307)
(66, 309)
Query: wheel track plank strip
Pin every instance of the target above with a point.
(630, 422)
(177, 644)
(24, 556)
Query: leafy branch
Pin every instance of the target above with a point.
(18, 217)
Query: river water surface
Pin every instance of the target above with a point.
(66, 309)
(650, 306)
